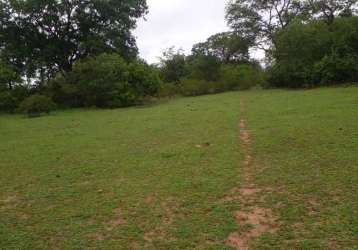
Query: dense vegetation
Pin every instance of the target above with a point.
(316, 54)
(83, 54)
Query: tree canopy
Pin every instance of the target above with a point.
(42, 37)
(229, 47)
(261, 20)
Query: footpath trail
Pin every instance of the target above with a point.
(255, 219)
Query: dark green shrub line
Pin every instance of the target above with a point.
(105, 81)
(316, 54)
(303, 54)
(37, 105)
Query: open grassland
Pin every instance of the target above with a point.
(156, 177)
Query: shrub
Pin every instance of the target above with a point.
(172, 65)
(336, 69)
(8, 103)
(315, 53)
(144, 79)
(64, 93)
(36, 105)
(102, 81)
(8, 75)
(194, 87)
(240, 77)
(105, 81)
(204, 67)
(169, 89)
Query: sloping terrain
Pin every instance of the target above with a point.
(175, 175)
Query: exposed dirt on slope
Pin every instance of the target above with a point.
(159, 232)
(116, 220)
(260, 220)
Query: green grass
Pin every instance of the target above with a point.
(137, 179)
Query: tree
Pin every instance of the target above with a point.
(8, 75)
(203, 67)
(229, 47)
(260, 20)
(172, 64)
(315, 53)
(106, 80)
(330, 9)
(42, 37)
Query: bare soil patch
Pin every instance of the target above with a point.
(260, 220)
(116, 221)
(160, 232)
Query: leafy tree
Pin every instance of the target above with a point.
(229, 47)
(260, 20)
(104, 81)
(329, 10)
(172, 65)
(8, 103)
(309, 54)
(203, 67)
(42, 37)
(241, 77)
(8, 76)
(143, 78)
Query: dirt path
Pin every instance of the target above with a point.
(260, 220)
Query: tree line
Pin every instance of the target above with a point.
(81, 53)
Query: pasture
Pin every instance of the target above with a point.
(171, 175)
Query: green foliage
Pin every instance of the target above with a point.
(65, 93)
(173, 65)
(231, 77)
(11, 98)
(8, 75)
(196, 87)
(143, 78)
(103, 81)
(51, 35)
(261, 20)
(169, 89)
(241, 77)
(36, 105)
(204, 67)
(316, 53)
(228, 47)
(8, 103)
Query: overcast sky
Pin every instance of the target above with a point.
(179, 23)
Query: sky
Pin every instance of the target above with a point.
(179, 23)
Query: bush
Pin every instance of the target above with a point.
(169, 89)
(172, 65)
(204, 67)
(8, 75)
(8, 103)
(144, 79)
(336, 69)
(315, 53)
(105, 81)
(194, 87)
(240, 77)
(36, 105)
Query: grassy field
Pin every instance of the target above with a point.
(155, 177)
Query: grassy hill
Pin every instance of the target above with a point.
(168, 176)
